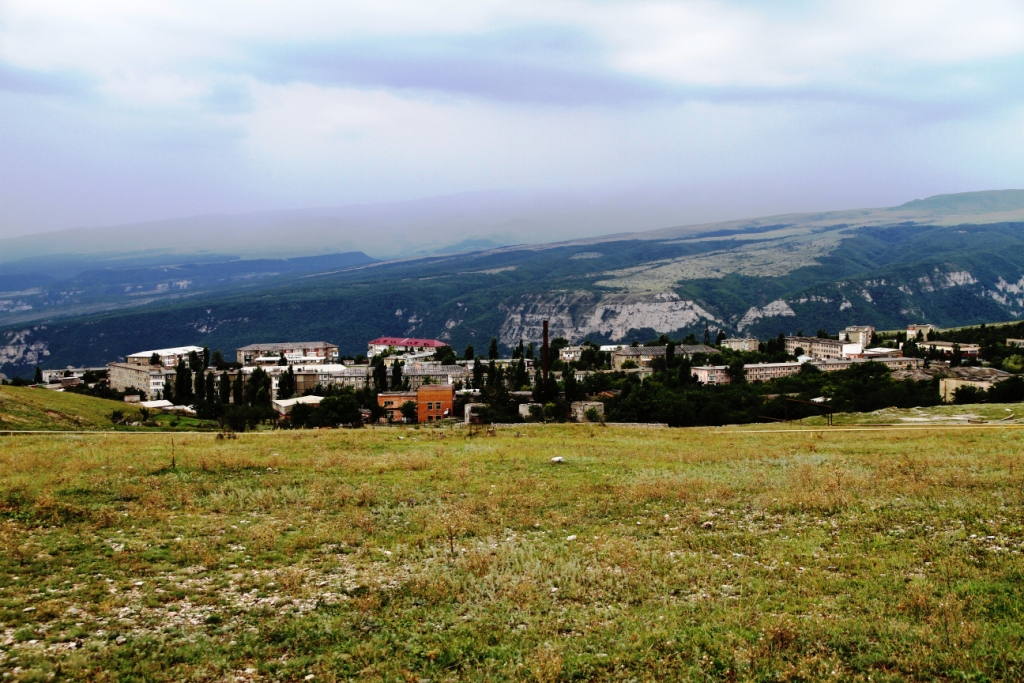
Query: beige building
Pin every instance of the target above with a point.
(740, 344)
(858, 334)
(816, 347)
(923, 328)
(642, 356)
(294, 352)
(946, 348)
(764, 372)
(1015, 342)
(151, 379)
(168, 357)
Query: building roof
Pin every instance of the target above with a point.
(684, 349)
(174, 351)
(288, 345)
(430, 370)
(307, 400)
(406, 341)
(151, 369)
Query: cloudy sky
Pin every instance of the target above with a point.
(122, 110)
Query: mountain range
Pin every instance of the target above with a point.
(950, 260)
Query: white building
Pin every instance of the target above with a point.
(168, 357)
(740, 344)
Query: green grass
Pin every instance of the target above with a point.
(650, 554)
(30, 409)
(24, 408)
(1012, 413)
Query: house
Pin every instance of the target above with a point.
(1015, 342)
(401, 345)
(740, 344)
(570, 354)
(434, 402)
(284, 406)
(858, 334)
(150, 379)
(294, 352)
(168, 357)
(52, 376)
(392, 402)
(924, 328)
(642, 356)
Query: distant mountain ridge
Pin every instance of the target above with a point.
(930, 260)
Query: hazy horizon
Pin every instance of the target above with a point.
(687, 113)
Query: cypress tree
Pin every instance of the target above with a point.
(492, 350)
(469, 353)
(225, 388)
(183, 383)
(211, 389)
(238, 389)
(199, 386)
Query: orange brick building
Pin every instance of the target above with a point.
(433, 402)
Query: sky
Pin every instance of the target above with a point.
(116, 111)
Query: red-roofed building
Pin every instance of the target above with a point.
(401, 345)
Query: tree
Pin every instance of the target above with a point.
(199, 385)
(737, 373)
(257, 389)
(396, 376)
(154, 359)
(211, 388)
(492, 350)
(183, 383)
(225, 388)
(957, 357)
(519, 350)
(286, 384)
(707, 335)
(478, 372)
(38, 378)
(670, 354)
(521, 377)
(573, 391)
(217, 360)
(469, 352)
(409, 412)
(445, 355)
(194, 361)
(380, 374)
(282, 361)
(529, 350)
(557, 344)
(238, 390)
(206, 357)
(821, 334)
(686, 372)
(720, 337)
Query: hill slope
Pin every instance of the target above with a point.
(24, 408)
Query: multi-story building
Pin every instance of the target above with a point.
(425, 374)
(168, 357)
(642, 356)
(764, 372)
(816, 347)
(392, 402)
(294, 352)
(434, 402)
(401, 345)
(858, 334)
(740, 344)
(150, 379)
(52, 376)
(924, 328)
(570, 354)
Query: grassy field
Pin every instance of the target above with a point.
(29, 409)
(420, 555)
(1009, 413)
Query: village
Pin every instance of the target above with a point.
(403, 380)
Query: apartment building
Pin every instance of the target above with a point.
(150, 379)
(168, 357)
(764, 372)
(945, 348)
(642, 356)
(294, 352)
(924, 328)
(401, 345)
(740, 344)
(858, 334)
